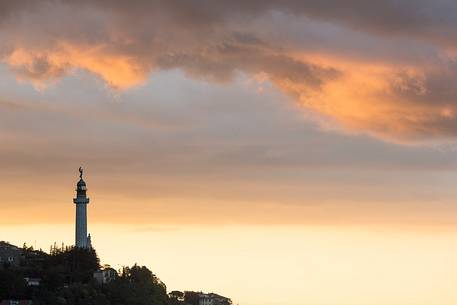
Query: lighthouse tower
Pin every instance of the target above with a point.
(82, 240)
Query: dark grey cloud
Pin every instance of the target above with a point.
(409, 17)
(424, 19)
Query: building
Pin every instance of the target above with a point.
(32, 282)
(9, 254)
(105, 275)
(16, 302)
(213, 299)
(82, 240)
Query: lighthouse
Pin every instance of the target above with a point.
(82, 240)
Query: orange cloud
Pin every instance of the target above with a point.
(123, 44)
(119, 71)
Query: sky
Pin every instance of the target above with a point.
(277, 152)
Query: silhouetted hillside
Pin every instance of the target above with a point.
(66, 277)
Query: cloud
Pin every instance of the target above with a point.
(119, 71)
(166, 155)
(340, 61)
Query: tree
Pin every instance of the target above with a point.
(12, 284)
(136, 286)
(79, 264)
(67, 279)
(176, 294)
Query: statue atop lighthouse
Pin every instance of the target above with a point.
(82, 240)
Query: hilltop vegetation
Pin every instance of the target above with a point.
(67, 279)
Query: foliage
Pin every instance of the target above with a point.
(67, 279)
(11, 284)
(137, 286)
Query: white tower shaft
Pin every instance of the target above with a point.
(81, 225)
